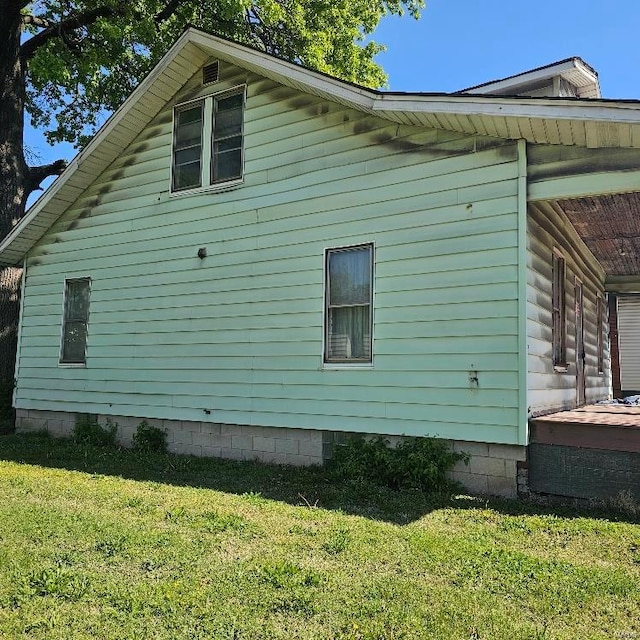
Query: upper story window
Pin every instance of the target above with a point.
(187, 147)
(208, 141)
(75, 321)
(348, 297)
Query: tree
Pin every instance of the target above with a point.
(63, 63)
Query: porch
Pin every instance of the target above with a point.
(588, 452)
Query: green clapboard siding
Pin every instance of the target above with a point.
(237, 337)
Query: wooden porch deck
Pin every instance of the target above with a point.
(614, 427)
(590, 452)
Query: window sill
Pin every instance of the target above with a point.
(561, 368)
(212, 188)
(347, 365)
(72, 365)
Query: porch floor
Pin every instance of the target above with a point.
(613, 427)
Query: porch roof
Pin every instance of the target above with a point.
(598, 190)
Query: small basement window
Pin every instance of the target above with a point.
(208, 141)
(348, 304)
(75, 321)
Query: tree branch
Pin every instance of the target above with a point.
(168, 10)
(36, 175)
(36, 21)
(66, 27)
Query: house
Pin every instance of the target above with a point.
(260, 258)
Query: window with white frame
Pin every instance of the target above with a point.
(348, 304)
(75, 321)
(559, 328)
(208, 141)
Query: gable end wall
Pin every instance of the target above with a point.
(236, 338)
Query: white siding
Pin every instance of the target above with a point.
(549, 390)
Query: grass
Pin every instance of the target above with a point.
(106, 543)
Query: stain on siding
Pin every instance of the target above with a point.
(105, 188)
(163, 118)
(556, 161)
(152, 132)
(242, 330)
(139, 148)
(301, 101)
(365, 125)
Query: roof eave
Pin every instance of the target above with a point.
(392, 106)
(575, 70)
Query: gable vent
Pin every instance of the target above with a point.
(210, 73)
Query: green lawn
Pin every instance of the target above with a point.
(104, 543)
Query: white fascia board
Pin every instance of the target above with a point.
(286, 72)
(581, 75)
(528, 77)
(540, 108)
(574, 69)
(463, 104)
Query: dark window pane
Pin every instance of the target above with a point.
(227, 165)
(186, 175)
(232, 102)
(192, 114)
(187, 150)
(187, 155)
(558, 311)
(228, 144)
(76, 316)
(227, 123)
(77, 300)
(75, 340)
(188, 136)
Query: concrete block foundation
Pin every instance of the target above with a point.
(494, 469)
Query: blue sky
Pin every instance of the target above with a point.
(461, 43)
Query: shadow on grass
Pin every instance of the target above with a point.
(308, 486)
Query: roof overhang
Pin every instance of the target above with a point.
(593, 123)
(574, 70)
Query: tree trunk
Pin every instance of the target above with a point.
(13, 168)
(9, 311)
(13, 190)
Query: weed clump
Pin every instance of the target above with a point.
(414, 463)
(149, 439)
(88, 430)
